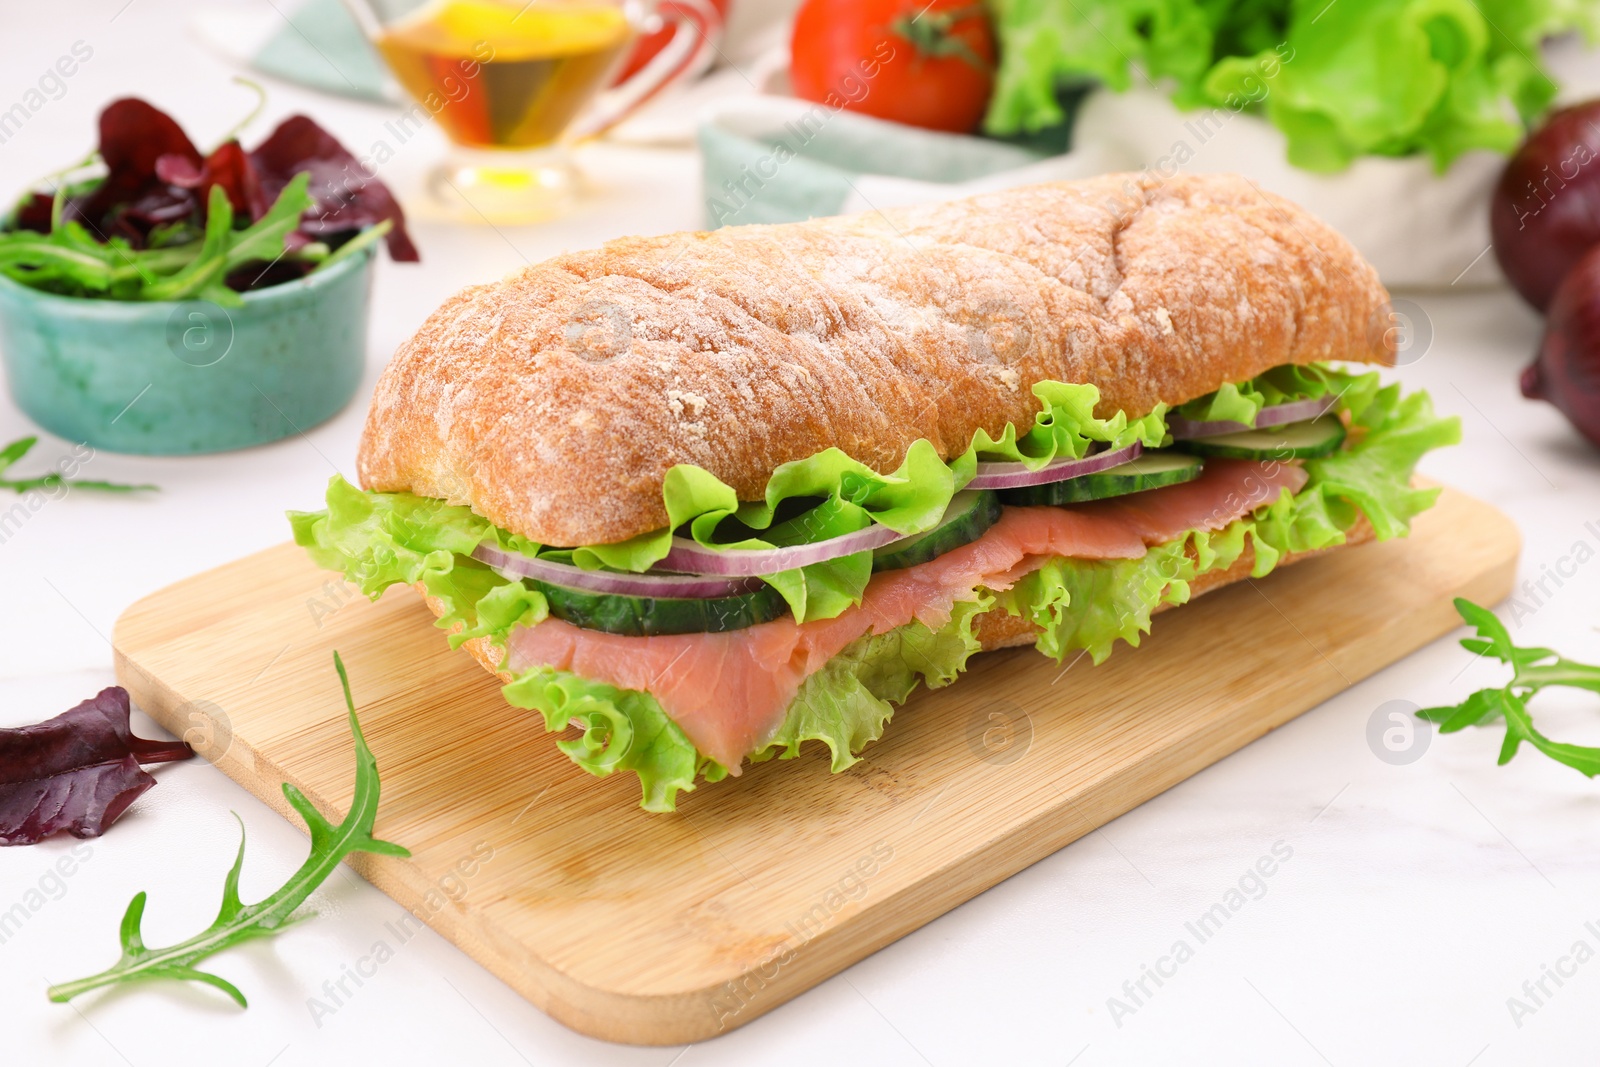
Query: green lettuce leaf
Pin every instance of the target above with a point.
(1293, 523)
(1381, 77)
(381, 539)
(1241, 402)
(1048, 43)
(851, 497)
(1066, 427)
(1341, 80)
(623, 730)
(1091, 604)
(848, 702)
(1373, 476)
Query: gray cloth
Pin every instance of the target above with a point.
(321, 46)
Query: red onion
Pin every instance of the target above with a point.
(1545, 213)
(1017, 475)
(1276, 415)
(1566, 372)
(693, 557)
(676, 586)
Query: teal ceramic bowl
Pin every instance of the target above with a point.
(172, 379)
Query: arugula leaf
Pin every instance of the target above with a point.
(266, 238)
(1532, 670)
(222, 248)
(19, 448)
(237, 922)
(359, 243)
(202, 275)
(134, 210)
(15, 451)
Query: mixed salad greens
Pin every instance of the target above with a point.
(148, 217)
(381, 539)
(1341, 80)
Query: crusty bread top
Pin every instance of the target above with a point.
(554, 401)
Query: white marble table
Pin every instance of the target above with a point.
(1417, 899)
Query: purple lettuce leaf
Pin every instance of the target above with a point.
(133, 199)
(76, 772)
(228, 166)
(349, 198)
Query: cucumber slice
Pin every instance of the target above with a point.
(1150, 471)
(1311, 439)
(638, 616)
(969, 513)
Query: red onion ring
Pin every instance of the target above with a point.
(1017, 475)
(1277, 415)
(674, 586)
(694, 558)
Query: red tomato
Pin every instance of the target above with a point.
(924, 64)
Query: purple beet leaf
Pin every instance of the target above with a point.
(76, 772)
(228, 166)
(349, 197)
(133, 199)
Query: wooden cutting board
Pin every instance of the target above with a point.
(658, 929)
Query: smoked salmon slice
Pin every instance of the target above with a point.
(729, 692)
(1225, 490)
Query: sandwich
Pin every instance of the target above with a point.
(706, 499)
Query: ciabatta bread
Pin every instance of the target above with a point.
(553, 402)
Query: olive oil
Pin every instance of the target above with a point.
(506, 75)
